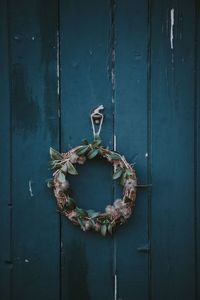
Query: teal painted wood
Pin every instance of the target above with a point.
(85, 45)
(145, 71)
(33, 27)
(131, 138)
(173, 110)
(5, 201)
(197, 153)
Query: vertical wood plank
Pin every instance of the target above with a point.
(173, 273)
(5, 201)
(33, 34)
(87, 258)
(131, 135)
(197, 150)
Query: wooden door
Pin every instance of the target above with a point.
(59, 60)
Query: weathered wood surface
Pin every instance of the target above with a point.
(58, 61)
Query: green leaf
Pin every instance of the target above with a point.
(70, 169)
(61, 177)
(97, 140)
(85, 142)
(92, 153)
(54, 154)
(82, 213)
(129, 173)
(103, 229)
(70, 204)
(92, 214)
(115, 156)
(83, 150)
(64, 169)
(50, 183)
(123, 179)
(117, 173)
(110, 228)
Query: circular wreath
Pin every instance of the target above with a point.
(115, 214)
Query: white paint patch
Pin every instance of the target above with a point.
(58, 63)
(30, 188)
(172, 28)
(146, 154)
(33, 38)
(115, 143)
(26, 260)
(115, 287)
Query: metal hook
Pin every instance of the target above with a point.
(97, 118)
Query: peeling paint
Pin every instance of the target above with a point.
(172, 28)
(115, 295)
(115, 142)
(58, 64)
(30, 188)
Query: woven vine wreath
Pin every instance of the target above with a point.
(65, 165)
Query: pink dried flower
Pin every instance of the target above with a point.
(126, 212)
(72, 215)
(81, 160)
(87, 225)
(109, 209)
(130, 184)
(118, 203)
(73, 158)
(97, 227)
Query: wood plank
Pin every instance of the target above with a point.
(197, 151)
(131, 123)
(5, 199)
(87, 258)
(173, 259)
(36, 243)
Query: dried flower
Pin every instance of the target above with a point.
(81, 160)
(72, 215)
(126, 212)
(118, 203)
(73, 158)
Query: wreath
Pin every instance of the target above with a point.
(65, 164)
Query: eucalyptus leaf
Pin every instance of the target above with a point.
(123, 179)
(64, 169)
(54, 154)
(92, 214)
(71, 169)
(71, 203)
(85, 142)
(61, 177)
(103, 229)
(82, 213)
(110, 228)
(117, 173)
(83, 150)
(50, 183)
(92, 153)
(129, 173)
(115, 156)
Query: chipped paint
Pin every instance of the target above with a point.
(30, 188)
(26, 260)
(33, 38)
(58, 63)
(115, 295)
(146, 154)
(115, 142)
(172, 28)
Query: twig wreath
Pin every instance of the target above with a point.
(64, 163)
